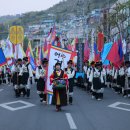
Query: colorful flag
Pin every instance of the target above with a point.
(73, 44)
(69, 47)
(96, 53)
(8, 51)
(19, 52)
(37, 57)
(105, 52)
(124, 44)
(53, 36)
(2, 58)
(113, 55)
(45, 46)
(31, 56)
(120, 50)
(41, 54)
(86, 50)
(100, 41)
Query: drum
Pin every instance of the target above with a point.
(59, 84)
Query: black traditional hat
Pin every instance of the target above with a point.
(92, 63)
(58, 64)
(25, 59)
(19, 60)
(70, 62)
(45, 60)
(127, 62)
(98, 64)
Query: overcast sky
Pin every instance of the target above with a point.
(22, 6)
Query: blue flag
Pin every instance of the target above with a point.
(41, 54)
(105, 52)
(2, 58)
(120, 51)
(95, 48)
(32, 63)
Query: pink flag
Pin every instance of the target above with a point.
(86, 50)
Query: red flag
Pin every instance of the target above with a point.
(100, 41)
(97, 57)
(113, 55)
(69, 47)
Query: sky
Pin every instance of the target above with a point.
(12, 7)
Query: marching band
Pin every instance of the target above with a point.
(96, 78)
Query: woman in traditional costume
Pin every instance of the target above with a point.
(59, 80)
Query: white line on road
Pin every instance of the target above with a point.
(71, 121)
(116, 106)
(25, 105)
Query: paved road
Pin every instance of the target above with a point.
(84, 114)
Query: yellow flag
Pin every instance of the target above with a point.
(16, 34)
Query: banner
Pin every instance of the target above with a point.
(80, 55)
(56, 55)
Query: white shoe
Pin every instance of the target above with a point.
(43, 101)
(99, 99)
(125, 96)
(128, 95)
(93, 97)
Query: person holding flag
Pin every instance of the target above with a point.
(16, 77)
(96, 78)
(85, 70)
(70, 73)
(26, 73)
(41, 75)
(3, 62)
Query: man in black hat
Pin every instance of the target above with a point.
(16, 77)
(70, 73)
(120, 79)
(85, 69)
(27, 75)
(96, 78)
(90, 69)
(41, 73)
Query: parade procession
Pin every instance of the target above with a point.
(56, 70)
(66, 67)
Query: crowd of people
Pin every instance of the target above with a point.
(96, 78)
(22, 77)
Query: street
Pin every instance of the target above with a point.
(84, 114)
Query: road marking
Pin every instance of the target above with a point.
(71, 121)
(1, 90)
(116, 106)
(26, 105)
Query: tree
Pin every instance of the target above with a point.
(118, 15)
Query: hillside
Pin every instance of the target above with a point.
(61, 11)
